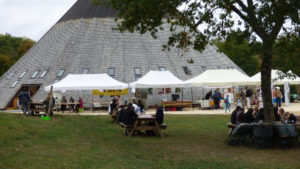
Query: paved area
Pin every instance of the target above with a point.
(293, 108)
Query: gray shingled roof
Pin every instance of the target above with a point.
(90, 43)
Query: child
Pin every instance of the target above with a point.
(226, 102)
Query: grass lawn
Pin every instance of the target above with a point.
(94, 142)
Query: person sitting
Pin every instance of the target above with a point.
(80, 105)
(121, 114)
(234, 113)
(281, 114)
(71, 105)
(260, 115)
(159, 115)
(208, 95)
(290, 118)
(249, 116)
(240, 116)
(129, 115)
(276, 115)
(141, 107)
(135, 106)
(113, 107)
(63, 104)
(47, 103)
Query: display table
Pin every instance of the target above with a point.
(174, 105)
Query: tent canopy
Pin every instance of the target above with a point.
(279, 78)
(222, 78)
(87, 82)
(159, 79)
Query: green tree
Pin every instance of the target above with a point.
(287, 53)
(11, 49)
(4, 64)
(262, 20)
(238, 49)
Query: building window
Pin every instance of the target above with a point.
(59, 75)
(111, 72)
(232, 67)
(137, 73)
(186, 70)
(16, 82)
(35, 73)
(43, 74)
(22, 75)
(162, 68)
(204, 68)
(85, 71)
(10, 75)
(219, 67)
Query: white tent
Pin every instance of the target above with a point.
(159, 79)
(279, 78)
(222, 78)
(87, 82)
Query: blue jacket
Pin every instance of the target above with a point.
(24, 97)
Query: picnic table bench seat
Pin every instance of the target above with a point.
(130, 127)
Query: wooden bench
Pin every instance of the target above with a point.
(129, 128)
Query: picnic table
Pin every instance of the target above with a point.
(37, 107)
(145, 122)
(74, 105)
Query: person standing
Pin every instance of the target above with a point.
(24, 100)
(242, 96)
(248, 96)
(217, 97)
(278, 97)
(227, 104)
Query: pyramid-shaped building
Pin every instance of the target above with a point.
(83, 41)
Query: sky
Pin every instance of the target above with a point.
(31, 18)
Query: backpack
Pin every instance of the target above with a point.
(226, 100)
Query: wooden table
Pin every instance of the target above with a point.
(176, 104)
(142, 122)
(68, 105)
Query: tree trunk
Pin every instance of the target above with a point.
(266, 68)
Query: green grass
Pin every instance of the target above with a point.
(94, 142)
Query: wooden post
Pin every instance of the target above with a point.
(50, 100)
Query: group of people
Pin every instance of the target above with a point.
(239, 116)
(128, 113)
(71, 104)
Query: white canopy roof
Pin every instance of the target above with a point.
(87, 82)
(159, 79)
(222, 78)
(275, 76)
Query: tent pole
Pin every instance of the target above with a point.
(192, 96)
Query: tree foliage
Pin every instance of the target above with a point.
(11, 49)
(261, 20)
(239, 50)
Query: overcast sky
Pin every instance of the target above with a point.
(31, 18)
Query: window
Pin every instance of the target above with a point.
(59, 75)
(232, 67)
(219, 67)
(111, 72)
(186, 70)
(204, 68)
(16, 82)
(10, 75)
(162, 68)
(43, 74)
(85, 71)
(22, 75)
(137, 73)
(35, 73)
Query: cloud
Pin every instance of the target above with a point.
(31, 18)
